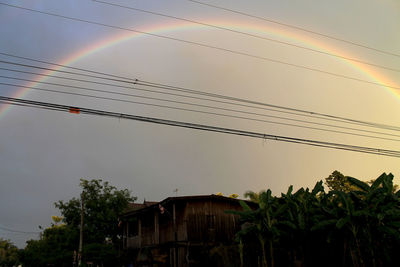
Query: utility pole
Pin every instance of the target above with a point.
(81, 232)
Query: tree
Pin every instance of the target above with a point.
(55, 248)
(103, 204)
(338, 182)
(8, 253)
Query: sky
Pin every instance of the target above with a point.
(43, 153)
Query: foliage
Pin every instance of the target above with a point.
(337, 181)
(103, 204)
(55, 247)
(8, 253)
(56, 219)
(253, 196)
(353, 224)
(101, 254)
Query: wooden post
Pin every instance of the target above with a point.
(81, 232)
(175, 236)
(156, 229)
(140, 232)
(126, 236)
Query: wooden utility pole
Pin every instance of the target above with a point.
(81, 232)
(176, 262)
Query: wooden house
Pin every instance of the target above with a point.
(179, 231)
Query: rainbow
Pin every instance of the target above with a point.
(162, 29)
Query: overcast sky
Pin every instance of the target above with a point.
(43, 154)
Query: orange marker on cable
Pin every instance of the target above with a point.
(74, 110)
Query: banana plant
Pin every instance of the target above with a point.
(268, 208)
(350, 220)
(301, 209)
(252, 222)
(358, 227)
(260, 223)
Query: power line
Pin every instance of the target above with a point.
(297, 28)
(305, 113)
(131, 81)
(204, 45)
(247, 34)
(192, 110)
(185, 103)
(80, 110)
(22, 105)
(16, 231)
(116, 77)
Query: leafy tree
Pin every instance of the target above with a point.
(103, 204)
(8, 253)
(338, 182)
(55, 247)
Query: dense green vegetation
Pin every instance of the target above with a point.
(103, 204)
(8, 253)
(353, 224)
